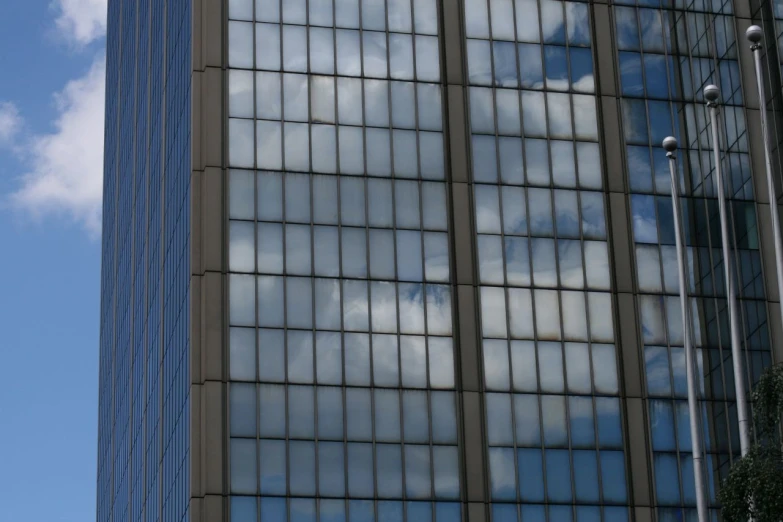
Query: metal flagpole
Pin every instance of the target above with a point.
(670, 146)
(754, 35)
(711, 94)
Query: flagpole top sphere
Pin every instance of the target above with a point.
(670, 144)
(754, 34)
(711, 93)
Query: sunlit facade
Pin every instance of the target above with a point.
(413, 260)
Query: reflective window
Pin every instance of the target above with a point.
(549, 359)
(666, 57)
(341, 350)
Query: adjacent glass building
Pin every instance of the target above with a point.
(413, 260)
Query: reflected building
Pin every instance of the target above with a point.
(413, 260)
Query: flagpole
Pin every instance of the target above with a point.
(670, 146)
(711, 94)
(754, 34)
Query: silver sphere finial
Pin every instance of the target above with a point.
(670, 144)
(711, 93)
(754, 34)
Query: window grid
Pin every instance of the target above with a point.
(282, 234)
(529, 226)
(703, 46)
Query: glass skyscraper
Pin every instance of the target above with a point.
(413, 260)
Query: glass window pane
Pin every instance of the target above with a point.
(331, 469)
(330, 413)
(502, 473)
(357, 412)
(553, 411)
(271, 355)
(243, 466)
(580, 410)
(301, 412)
(360, 470)
(389, 470)
(531, 475)
(443, 412)
(273, 468)
(446, 474)
(558, 475)
(441, 362)
(586, 476)
(242, 359)
(417, 472)
(499, 425)
(300, 356)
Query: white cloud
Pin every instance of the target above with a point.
(81, 21)
(65, 167)
(10, 122)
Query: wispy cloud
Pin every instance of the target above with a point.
(81, 21)
(10, 122)
(65, 167)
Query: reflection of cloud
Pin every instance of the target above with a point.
(657, 369)
(441, 363)
(487, 209)
(417, 471)
(597, 265)
(241, 249)
(575, 315)
(413, 358)
(550, 367)
(300, 356)
(559, 113)
(584, 84)
(639, 167)
(493, 312)
(385, 360)
(438, 310)
(491, 259)
(496, 370)
(446, 471)
(242, 304)
(501, 465)
(547, 314)
(520, 311)
(652, 30)
(645, 227)
(648, 268)
(578, 23)
(240, 93)
(384, 306)
(411, 297)
(674, 319)
(604, 368)
(652, 319)
(601, 318)
(240, 148)
(544, 265)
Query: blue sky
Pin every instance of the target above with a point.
(51, 148)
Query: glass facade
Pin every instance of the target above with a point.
(667, 56)
(143, 465)
(449, 289)
(555, 443)
(341, 352)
